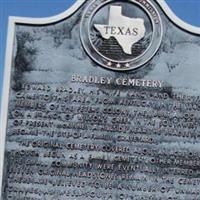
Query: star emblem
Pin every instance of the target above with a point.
(109, 64)
(118, 65)
(127, 65)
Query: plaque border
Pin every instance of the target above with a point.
(45, 21)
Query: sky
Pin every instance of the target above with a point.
(187, 10)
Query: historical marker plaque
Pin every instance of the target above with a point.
(102, 102)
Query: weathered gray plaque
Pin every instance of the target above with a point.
(102, 102)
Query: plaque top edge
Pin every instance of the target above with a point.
(52, 19)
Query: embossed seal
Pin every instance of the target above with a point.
(121, 35)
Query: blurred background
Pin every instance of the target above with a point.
(187, 10)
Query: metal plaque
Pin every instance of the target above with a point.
(102, 102)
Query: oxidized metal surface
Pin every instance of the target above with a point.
(77, 130)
